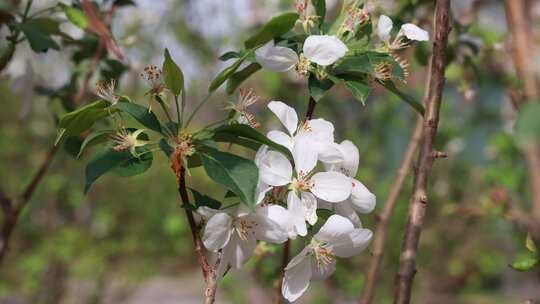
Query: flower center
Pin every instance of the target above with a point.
(123, 140)
(302, 183)
(324, 256)
(244, 227)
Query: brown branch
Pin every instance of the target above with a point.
(519, 22)
(368, 290)
(209, 272)
(15, 207)
(419, 198)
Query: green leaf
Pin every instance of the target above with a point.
(38, 31)
(174, 78)
(525, 262)
(204, 200)
(135, 165)
(122, 163)
(529, 243)
(276, 27)
(82, 119)
(527, 128)
(165, 147)
(230, 194)
(237, 78)
(225, 74)
(75, 16)
(366, 63)
(237, 174)
(408, 99)
(240, 131)
(229, 55)
(318, 88)
(140, 113)
(360, 90)
(93, 139)
(320, 9)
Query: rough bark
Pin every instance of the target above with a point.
(520, 25)
(372, 273)
(419, 199)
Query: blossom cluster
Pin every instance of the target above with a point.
(316, 174)
(289, 193)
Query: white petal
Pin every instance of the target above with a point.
(242, 250)
(285, 114)
(206, 212)
(413, 32)
(275, 169)
(322, 271)
(330, 153)
(298, 213)
(351, 158)
(260, 153)
(269, 226)
(323, 49)
(310, 206)
(356, 241)
(384, 27)
(336, 227)
(296, 278)
(217, 232)
(305, 157)
(321, 130)
(345, 209)
(262, 189)
(281, 138)
(362, 199)
(276, 58)
(332, 187)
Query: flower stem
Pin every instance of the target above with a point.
(197, 108)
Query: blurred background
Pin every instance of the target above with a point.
(127, 240)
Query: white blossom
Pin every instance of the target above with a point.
(319, 131)
(384, 27)
(304, 185)
(336, 238)
(413, 32)
(236, 232)
(276, 58)
(361, 199)
(324, 49)
(410, 31)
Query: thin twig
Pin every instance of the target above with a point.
(209, 272)
(368, 291)
(15, 207)
(13, 210)
(419, 198)
(520, 24)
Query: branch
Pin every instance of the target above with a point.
(368, 290)
(14, 208)
(209, 273)
(519, 22)
(419, 198)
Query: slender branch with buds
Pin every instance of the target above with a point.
(520, 25)
(209, 272)
(12, 207)
(419, 198)
(368, 291)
